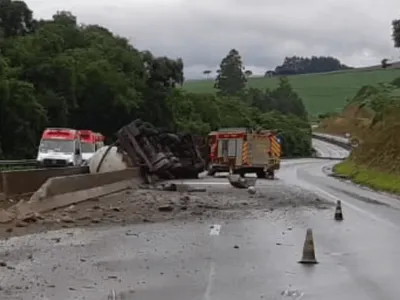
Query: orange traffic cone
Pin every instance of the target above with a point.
(338, 211)
(308, 249)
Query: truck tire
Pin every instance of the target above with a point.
(261, 174)
(271, 175)
(231, 170)
(211, 172)
(241, 173)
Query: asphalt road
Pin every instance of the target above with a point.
(324, 149)
(250, 258)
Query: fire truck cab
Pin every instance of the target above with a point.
(243, 150)
(91, 142)
(59, 147)
(99, 140)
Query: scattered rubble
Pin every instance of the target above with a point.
(157, 205)
(241, 183)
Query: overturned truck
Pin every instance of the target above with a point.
(163, 153)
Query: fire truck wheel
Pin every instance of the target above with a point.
(242, 174)
(194, 175)
(231, 170)
(261, 174)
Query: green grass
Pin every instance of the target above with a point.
(363, 175)
(321, 93)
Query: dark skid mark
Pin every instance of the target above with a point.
(293, 294)
(361, 198)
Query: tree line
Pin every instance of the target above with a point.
(297, 65)
(57, 72)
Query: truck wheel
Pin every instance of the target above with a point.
(261, 174)
(271, 174)
(231, 170)
(211, 172)
(241, 173)
(194, 175)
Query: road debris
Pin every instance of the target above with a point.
(173, 187)
(157, 205)
(251, 190)
(5, 216)
(241, 182)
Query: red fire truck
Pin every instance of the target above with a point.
(91, 142)
(243, 150)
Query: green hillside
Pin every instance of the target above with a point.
(320, 92)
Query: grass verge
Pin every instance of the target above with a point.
(363, 175)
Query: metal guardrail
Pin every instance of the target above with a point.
(336, 140)
(17, 163)
(332, 137)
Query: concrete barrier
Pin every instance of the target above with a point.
(22, 182)
(2, 195)
(64, 191)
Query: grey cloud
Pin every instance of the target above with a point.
(264, 31)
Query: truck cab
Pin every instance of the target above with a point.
(88, 141)
(59, 147)
(91, 142)
(99, 140)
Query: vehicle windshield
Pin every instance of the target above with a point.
(88, 148)
(56, 146)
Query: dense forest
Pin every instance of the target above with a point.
(58, 72)
(303, 65)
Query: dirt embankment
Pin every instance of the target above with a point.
(354, 120)
(379, 146)
(145, 205)
(373, 121)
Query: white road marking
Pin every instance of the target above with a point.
(210, 281)
(215, 229)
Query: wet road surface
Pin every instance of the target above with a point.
(328, 150)
(252, 258)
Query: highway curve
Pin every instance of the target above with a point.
(246, 251)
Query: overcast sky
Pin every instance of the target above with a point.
(202, 32)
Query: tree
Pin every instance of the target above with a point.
(15, 18)
(207, 73)
(304, 65)
(231, 80)
(56, 72)
(384, 63)
(248, 73)
(269, 73)
(286, 100)
(396, 32)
